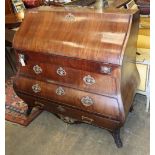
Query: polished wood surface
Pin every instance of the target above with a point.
(130, 76)
(11, 21)
(8, 7)
(106, 34)
(102, 105)
(72, 112)
(79, 64)
(74, 75)
(32, 58)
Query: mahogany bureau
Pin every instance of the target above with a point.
(79, 64)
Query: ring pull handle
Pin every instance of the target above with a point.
(36, 88)
(60, 91)
(61, 71)
(37, 69)
(89, 80)
(87, 101)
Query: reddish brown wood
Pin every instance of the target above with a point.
(105, 37)
(11, 21)
(8, 7)
(33, 58)
(103, 105)
(74, 74)
(81, 47)
(88, 117)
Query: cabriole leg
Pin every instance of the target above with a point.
(30, 102)
(29, 110)
(117, 139)
(131, 108)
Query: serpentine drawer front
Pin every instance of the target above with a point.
(72, 114)
(102, 105)
(78, 64)
(89, 81)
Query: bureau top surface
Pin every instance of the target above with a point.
(83, 34)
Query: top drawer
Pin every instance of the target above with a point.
(85, 75)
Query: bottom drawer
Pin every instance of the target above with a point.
(66, 113)
(82, 116)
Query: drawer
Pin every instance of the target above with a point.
(74, 114)
(89, 81)
(86, 101)
(71, 76)
(70, 62)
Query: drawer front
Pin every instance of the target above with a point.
(84, 80)
(79, 99)
(74, 114)
(83, 116)
(85, 75)
(79, 64)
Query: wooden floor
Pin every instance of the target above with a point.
(48, 135)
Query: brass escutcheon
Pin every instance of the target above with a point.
(87, 119)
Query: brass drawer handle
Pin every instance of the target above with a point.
(67, 119)
(87, 119)
(61, 71)
(89, 80)
(60, 91)
(36, 88)
(87, 101)
(37, 69)
(105, 69)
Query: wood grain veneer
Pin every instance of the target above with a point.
(84, 64)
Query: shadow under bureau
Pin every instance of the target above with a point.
(79, 64)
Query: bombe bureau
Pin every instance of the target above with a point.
(79, 64)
